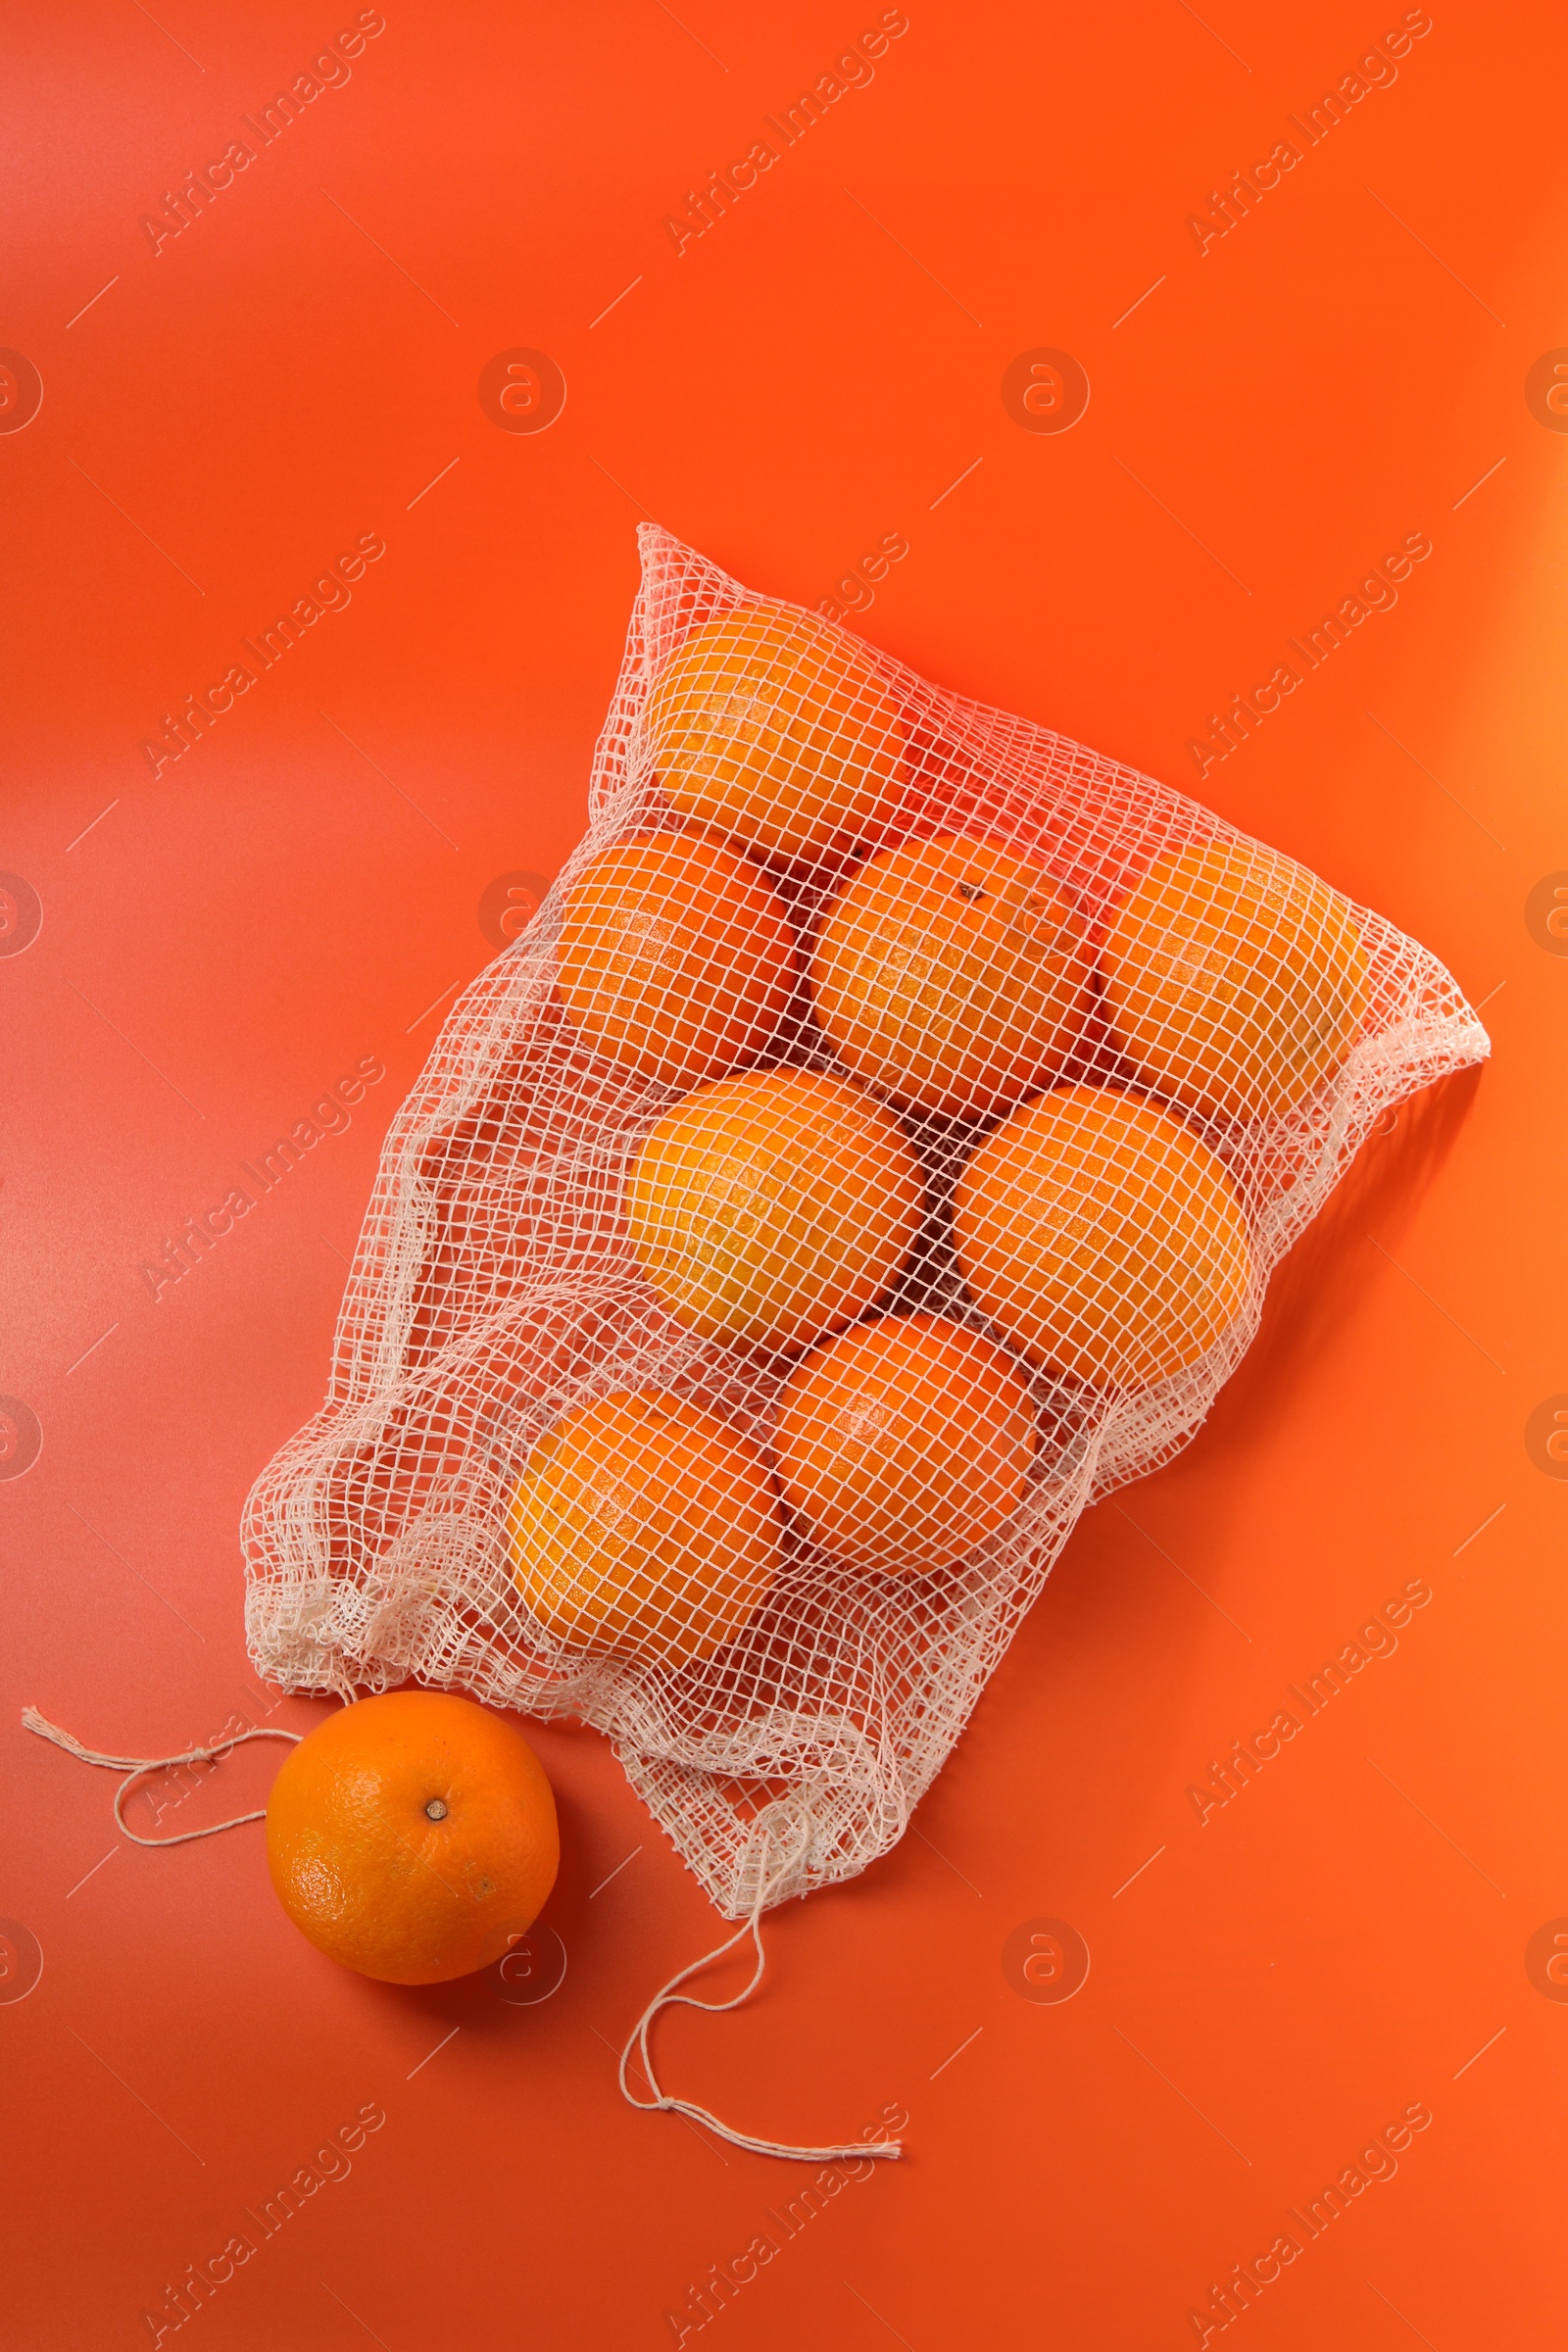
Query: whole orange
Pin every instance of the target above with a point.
(770, 726)
(953, 974)
(774, 1208)
(410, 1837)
(905, 1442)
(646, 1525)
(675, 957)
(1235, 980)
(1102, 1238)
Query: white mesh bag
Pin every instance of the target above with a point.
(873, 1151)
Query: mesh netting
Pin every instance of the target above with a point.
(873, 1151)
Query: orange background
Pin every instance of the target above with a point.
(220, 944)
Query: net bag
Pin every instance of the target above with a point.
(873, 1151)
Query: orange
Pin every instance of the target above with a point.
(411, 1836)
(1102, 1238)
(1235, 980)
(905, 1442)
(772, 727)
(644, 1524)
(774, 1208)
(951, 974)
(675, 957)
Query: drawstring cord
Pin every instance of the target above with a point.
(137, 1768)
(672, 1997)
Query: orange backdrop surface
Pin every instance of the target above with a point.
(206, 398)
